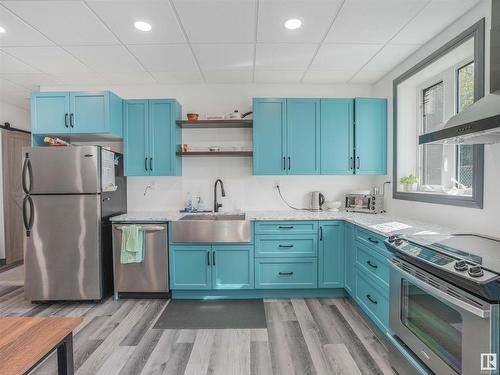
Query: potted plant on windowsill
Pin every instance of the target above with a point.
(409, 183)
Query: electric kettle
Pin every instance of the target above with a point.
(317, 200)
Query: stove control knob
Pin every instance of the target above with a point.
(476, 271)
(461, 265)
(392, 238)
(398, 241)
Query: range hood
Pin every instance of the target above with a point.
(479, 123)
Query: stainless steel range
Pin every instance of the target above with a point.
(445, 302)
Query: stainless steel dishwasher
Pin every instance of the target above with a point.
(150, 277)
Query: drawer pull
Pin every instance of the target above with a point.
(285, 273)
(371, 299)
(369, 262)
(285, 227)
(285, 246)
(372, 240)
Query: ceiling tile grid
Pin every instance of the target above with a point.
(50, 42)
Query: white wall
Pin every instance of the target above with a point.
(199, 174)
(487, 220)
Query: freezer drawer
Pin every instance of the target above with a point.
(62, 170)
(62, 254)
(149, 276)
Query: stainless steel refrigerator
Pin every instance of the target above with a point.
(70, 194)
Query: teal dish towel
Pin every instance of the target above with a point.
(132, 250)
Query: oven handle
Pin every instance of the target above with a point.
(432, 290)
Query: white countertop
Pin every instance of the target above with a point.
(368, 221)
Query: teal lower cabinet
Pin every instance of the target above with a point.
(232, 267)
(190, 267)
(290, 245)
(349, 259)
(286, 273)
(373, 298)
(331, 254)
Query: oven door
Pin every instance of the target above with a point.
(444, 326)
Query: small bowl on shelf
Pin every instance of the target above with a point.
(192, 116)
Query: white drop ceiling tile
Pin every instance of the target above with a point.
(164, 58)
(31, 80)
(178, 77)
(344, 56)
(278, 76)
(9, 64)
(284, 56)
(368, 77)
(64, 22)
(316, 17)
(82, 78)
(390, 56)
(106, 58)
(48, 59)
(433, 18)
(18, 33)
(362, 21)
(14, 93)
(224, 56)
(130, 78)
(328, 76)
(228, 76)
(217, 21)
(121, 15)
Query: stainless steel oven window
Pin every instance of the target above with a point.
(436, 324)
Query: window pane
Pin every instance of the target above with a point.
(465, 97)
(432, 118)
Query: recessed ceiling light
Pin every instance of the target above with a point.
(143, 26)
(2, 30)
(293, 23)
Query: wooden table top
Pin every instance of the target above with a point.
(26, 340)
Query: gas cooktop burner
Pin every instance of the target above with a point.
(470, 261)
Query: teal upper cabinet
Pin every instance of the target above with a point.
(303, 136)
(151, 137)
(77, 113)
(337, 136)
(269, 121)
(331, 254)
(50, 112)
(286, 136)
(319, 136)
(371, 136)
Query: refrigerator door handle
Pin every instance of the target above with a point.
(28, 221)
(27, 169)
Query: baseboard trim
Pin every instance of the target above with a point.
(258, 293)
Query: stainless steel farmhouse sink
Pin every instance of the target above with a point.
(211, 228)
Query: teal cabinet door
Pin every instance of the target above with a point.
(303, 136)
(269, 118)
(135, 143)
(371, 136)
(350, 258)
(161, 121)
(232, 267)
(190, 267)
(89, 112)
(331, 254)
(50, 113)
(337, 136)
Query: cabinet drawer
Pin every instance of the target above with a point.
(374, 301)
(291, 245)
(291, 227)
(372, 240)
(373, 263)
(285, 273)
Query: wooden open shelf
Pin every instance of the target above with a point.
(210, 124)
(215, 153)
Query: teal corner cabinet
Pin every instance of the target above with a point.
(319, 136)
(217, 266)
(71, 113)
(151, 137)
(286, 136)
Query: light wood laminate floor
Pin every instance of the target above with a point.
(304, 336)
